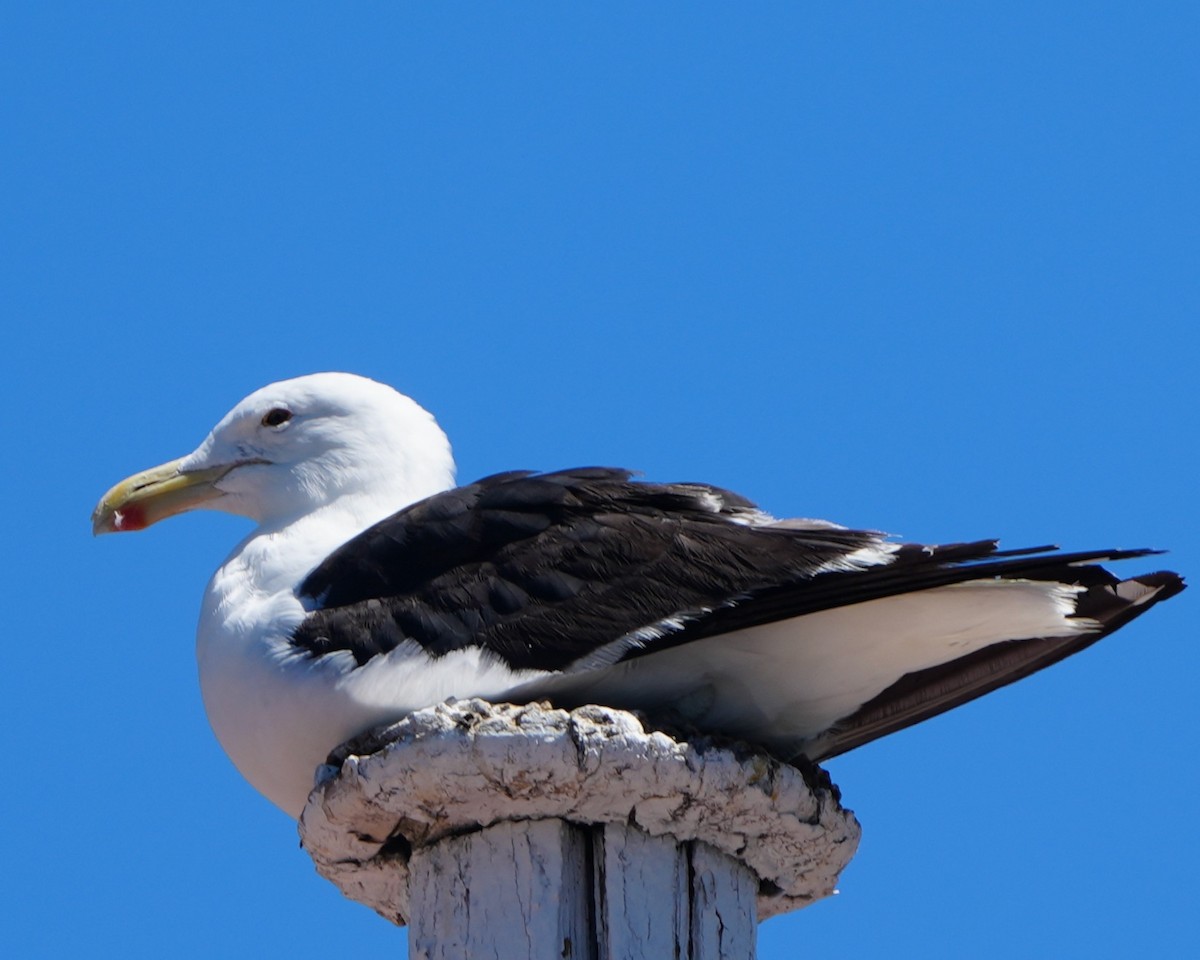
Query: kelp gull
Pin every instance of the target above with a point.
(373, 586)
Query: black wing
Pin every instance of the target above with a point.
(549, 570)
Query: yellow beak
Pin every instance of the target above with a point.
(154, 495)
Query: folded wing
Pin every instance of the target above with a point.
(684, 599)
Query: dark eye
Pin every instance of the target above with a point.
(276, 417)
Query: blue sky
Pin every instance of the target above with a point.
(925, 268)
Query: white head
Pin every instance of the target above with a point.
(289, 450)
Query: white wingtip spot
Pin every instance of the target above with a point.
(872, 555)
(1136, 592)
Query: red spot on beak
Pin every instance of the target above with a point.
(130, 519)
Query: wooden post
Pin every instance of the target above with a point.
(510, 890)
(508, 832)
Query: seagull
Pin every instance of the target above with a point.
(372, 587)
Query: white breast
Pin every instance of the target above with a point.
(277, 711)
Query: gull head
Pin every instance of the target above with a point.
(290, 449)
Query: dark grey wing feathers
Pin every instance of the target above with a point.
(546, 569)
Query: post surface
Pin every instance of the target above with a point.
(723, 918)
(657, 897)
(546, 888)
(512, 891)
(641, 895)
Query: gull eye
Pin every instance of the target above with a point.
(276, 417)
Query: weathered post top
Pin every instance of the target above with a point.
(469, 800)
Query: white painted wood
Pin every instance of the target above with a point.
(525, 832)
(509, 892)
(723, 914)
(643, 903)
(456, 767)
(528, 890)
